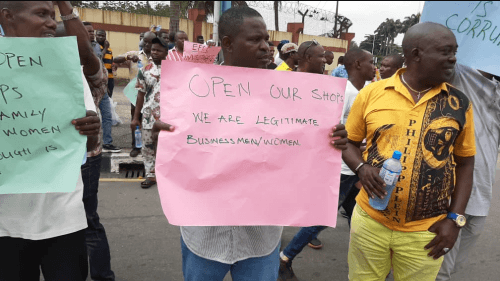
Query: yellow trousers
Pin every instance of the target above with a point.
(374, 249)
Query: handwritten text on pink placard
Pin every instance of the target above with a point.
(199, 53)
(251, 146)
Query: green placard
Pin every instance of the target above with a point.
(130, 91)
(41, 91)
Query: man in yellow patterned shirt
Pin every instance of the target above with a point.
(431, 123)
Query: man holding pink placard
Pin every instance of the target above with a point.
(249, 251)
(177, 52)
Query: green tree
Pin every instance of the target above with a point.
(137, 7)
(409, 22)
(388, 31)
(371, 44)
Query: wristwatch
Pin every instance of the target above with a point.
(73, 15)
(458, 219)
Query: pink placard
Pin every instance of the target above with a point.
(251, 146)
(199, 53)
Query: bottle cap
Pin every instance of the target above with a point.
(137, 128)
(397, 154)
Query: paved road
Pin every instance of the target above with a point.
(144, 246)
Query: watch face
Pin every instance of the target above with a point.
(460, 220)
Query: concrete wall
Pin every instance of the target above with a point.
(279, 35)
(207, 30)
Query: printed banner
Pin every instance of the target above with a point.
(251, 146)
(199, 53)
(41, 91)
(476, 27)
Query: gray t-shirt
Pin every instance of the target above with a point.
(485, 97)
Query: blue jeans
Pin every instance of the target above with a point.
(306, 234)
(95, 235)
(105, 107)
(111, 86)
(196, 268)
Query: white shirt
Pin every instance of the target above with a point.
(485, 97)
(277, 59)
(38, 216)
(350, 95)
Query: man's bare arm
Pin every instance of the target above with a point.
(74, 27)
(138, 108)
(446, 230)
(368, 175)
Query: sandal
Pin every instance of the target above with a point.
(147, 183)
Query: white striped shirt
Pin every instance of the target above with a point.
(174, 55)
(230, 244)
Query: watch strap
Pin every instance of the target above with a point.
(452, 216)
(69, 17)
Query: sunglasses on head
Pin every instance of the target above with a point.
(313, 42)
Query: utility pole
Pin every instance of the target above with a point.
(216, 22)
(373, 47)
(336, 13)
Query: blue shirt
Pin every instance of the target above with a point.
(97, 49)
(340, 72)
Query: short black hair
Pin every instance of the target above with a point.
(179, 31)
(162, 32)
(341, 60)
(86, 23)
(171, 36)
(351, 56)
(100, 30)
(305, 46)
(328, 53)
(12, 5)
(199, 36)
(398, 59)
(231, 20)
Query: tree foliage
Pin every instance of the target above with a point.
(386, 32)
(135, 7)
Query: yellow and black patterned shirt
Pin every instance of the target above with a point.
(107, 59)
(427, 133)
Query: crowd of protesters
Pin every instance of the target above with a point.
(422, 103)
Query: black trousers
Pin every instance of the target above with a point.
(60, 258)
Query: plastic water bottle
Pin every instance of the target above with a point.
(138, 137)
(390, 174)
